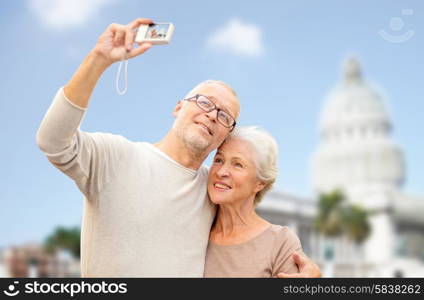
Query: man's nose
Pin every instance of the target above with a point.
(212, 115)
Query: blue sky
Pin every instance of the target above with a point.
(293, 57)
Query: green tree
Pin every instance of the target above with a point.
(356, 223)
(336, 217)
(64, 238)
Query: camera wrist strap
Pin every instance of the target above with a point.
(124, 61)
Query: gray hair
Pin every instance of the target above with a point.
(211, 81)
(266, 150)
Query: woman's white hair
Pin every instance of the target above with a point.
(266, 150)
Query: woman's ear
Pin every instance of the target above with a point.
(260, 185)
(177, 108)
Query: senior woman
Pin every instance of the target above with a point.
(241, 243)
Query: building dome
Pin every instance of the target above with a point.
(353, 103)
(355, 144)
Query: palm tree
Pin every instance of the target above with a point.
(356, 223)
(64, 238)
(329, 221)
(336, 217)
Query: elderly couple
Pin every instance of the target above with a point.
(153, 210)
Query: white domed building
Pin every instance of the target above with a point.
(357, 155)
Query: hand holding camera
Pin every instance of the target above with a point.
(117, 42)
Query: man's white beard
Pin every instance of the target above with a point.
(195, 142)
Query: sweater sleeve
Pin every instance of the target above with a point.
(286, 244)
(90, 159)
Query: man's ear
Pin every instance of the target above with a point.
(177, 108)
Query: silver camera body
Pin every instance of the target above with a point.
(156, 33)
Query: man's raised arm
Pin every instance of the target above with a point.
(87, 158)
(113, 45)
(61, 121)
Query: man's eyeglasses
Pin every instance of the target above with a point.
(207, 105)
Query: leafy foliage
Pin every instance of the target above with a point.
(336, 217)
(64, 238)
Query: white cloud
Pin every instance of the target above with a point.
(238, 38)
(64, 14)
